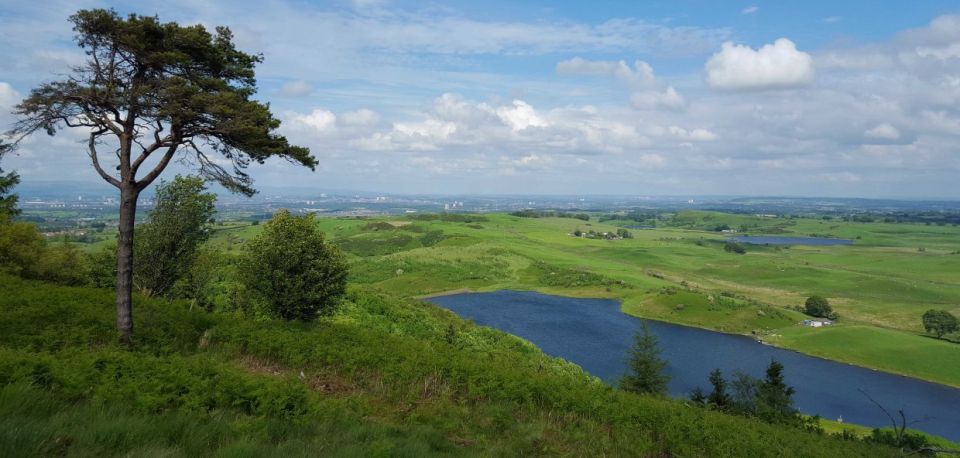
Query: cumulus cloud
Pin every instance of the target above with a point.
(318, 120)
(777, 65)
(883, 132)
(520, 116)
(651, 100)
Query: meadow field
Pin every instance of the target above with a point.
(679, 272)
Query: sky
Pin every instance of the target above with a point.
(784, 98)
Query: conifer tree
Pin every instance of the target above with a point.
(646, 367)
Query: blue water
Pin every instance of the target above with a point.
(767, 240)
(594, 334)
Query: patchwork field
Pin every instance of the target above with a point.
(680, 272)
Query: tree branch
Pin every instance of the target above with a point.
(158, 169)
(157, 144)
(96, 162)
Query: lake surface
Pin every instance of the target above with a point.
(768, 240)
(596, 335)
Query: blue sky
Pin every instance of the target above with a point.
(603, 97)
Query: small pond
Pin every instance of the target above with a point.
(596, 335)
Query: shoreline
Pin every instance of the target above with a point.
(749, 336)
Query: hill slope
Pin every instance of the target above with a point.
(385, 376)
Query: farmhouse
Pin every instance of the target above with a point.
(817, 323)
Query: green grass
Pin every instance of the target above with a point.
(890, 350)
(385, 376)
(883, 282)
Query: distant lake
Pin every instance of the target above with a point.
(769, 240)
(596, 335)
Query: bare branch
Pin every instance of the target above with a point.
(158, 143)
(893, 422)
(158, 169)
(96, 161)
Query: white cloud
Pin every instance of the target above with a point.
(641, 75)
(318, 120)
(777, 65)
(520, 116)
(830, 19)
(296, 89)
(883, 132)
(651, 100)
(750, 10)
(361, 117)
(8, 96)
(648, 92)
(698, 135)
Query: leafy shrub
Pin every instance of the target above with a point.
(818, 306)
(734, 247)
(292, 270)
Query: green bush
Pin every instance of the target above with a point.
(818, 306)
(292, 270)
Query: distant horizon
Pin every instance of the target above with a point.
(31, 187)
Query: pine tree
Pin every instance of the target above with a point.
(646, 367)
(775, 397)
(719, 396)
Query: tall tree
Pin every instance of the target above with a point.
(167, 244)
(718, 396)
(147, 92)
(646, 367)
(775, 397)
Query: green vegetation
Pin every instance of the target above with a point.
(646, 368)
(166, 245)
(550, 214)
(386, 374)
(382, 376)
(818, 306)
(940, 322)
(156, 89)
(291, 271)
(8, 200)
(770, 399)
(880, 285)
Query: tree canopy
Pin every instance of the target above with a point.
(292, 270)
(147, 92)
(164, 87)
(166, 245)
(646, 367)
(940, 322)
(818, 306)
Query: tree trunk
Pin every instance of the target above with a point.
(128, 211)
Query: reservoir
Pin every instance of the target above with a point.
(767, 240)
(596, 335)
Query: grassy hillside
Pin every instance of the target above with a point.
(881, 285)
(383, 377)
